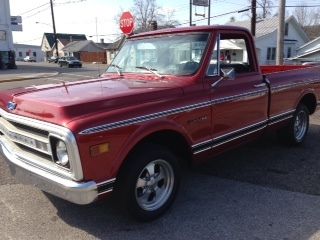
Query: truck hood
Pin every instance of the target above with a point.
(63, 103)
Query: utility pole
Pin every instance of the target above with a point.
(253, 17)
(280, 36)
(190, 12)
(54, 29)
(209, 8)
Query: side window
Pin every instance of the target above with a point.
(230, 52)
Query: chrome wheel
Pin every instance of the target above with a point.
(300, 125)
(154, 185)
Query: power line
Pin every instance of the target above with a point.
(36, 13)
(33, 9)
(215, 16)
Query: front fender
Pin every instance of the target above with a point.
(142, 132)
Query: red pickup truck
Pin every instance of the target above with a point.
(170, 98)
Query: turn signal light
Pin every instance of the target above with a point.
(99, 149)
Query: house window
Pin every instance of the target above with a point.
(271, 53)
(20, 54)
(34, 54)
(289, 52)
(286, 29)
(27, 53)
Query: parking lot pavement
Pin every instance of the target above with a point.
(207, 208)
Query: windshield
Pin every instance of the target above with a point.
(164, 55)
(71, 58)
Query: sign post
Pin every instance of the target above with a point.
(127, 23)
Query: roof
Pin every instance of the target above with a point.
(104, 45)
(311, 48)
(85, 45)
(267, 26)
(64, 38)
(17, 45)
(117, 44)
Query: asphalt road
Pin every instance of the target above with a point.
(263, 190)
(88, 71)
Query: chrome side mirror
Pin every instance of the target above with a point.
(226, 74)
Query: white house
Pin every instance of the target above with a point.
(48, 42)
(23, 50)
(266, 38)
(309, 52)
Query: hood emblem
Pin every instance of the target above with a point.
(11, 106)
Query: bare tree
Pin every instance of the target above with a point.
(146, 11)
(307, 16)
(264, 8)
(167, 17)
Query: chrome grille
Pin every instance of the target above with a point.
(30, 141)
(34, 140)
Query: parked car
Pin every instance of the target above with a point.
(29, 59)
(53, 59)
(130, 132)
(69, 62)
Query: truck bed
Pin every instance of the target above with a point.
(267, 69)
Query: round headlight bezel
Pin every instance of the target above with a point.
(60, 154)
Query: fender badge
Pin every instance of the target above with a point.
(11, 106)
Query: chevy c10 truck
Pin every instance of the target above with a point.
(170, 98)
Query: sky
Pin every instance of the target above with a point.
(97, 18)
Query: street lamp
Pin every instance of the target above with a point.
(44, 23)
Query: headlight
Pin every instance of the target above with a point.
(62, 153)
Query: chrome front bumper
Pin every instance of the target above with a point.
(26, 173)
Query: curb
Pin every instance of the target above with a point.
(29, 77)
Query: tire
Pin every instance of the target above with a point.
(149, 182)
(296, 132)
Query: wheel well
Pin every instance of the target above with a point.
(310, 102)
(172, 140)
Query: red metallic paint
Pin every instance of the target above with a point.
(82, 105)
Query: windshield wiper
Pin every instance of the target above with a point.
(118, 69)
(152, 70)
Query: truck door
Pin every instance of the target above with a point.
(239, 97)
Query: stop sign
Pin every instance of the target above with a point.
(126, 23)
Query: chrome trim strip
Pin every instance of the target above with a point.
(241, 129)
(107, 181)
(216, 139)
(202, 150)
(270, 121)
(106, 186)
(287, 86)
(107, 191)
(131, 121)
(280, 120)
(228, 140)
(64, 133)
(237, 137)
(281, 114)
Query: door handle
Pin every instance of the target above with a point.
(260, 85)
